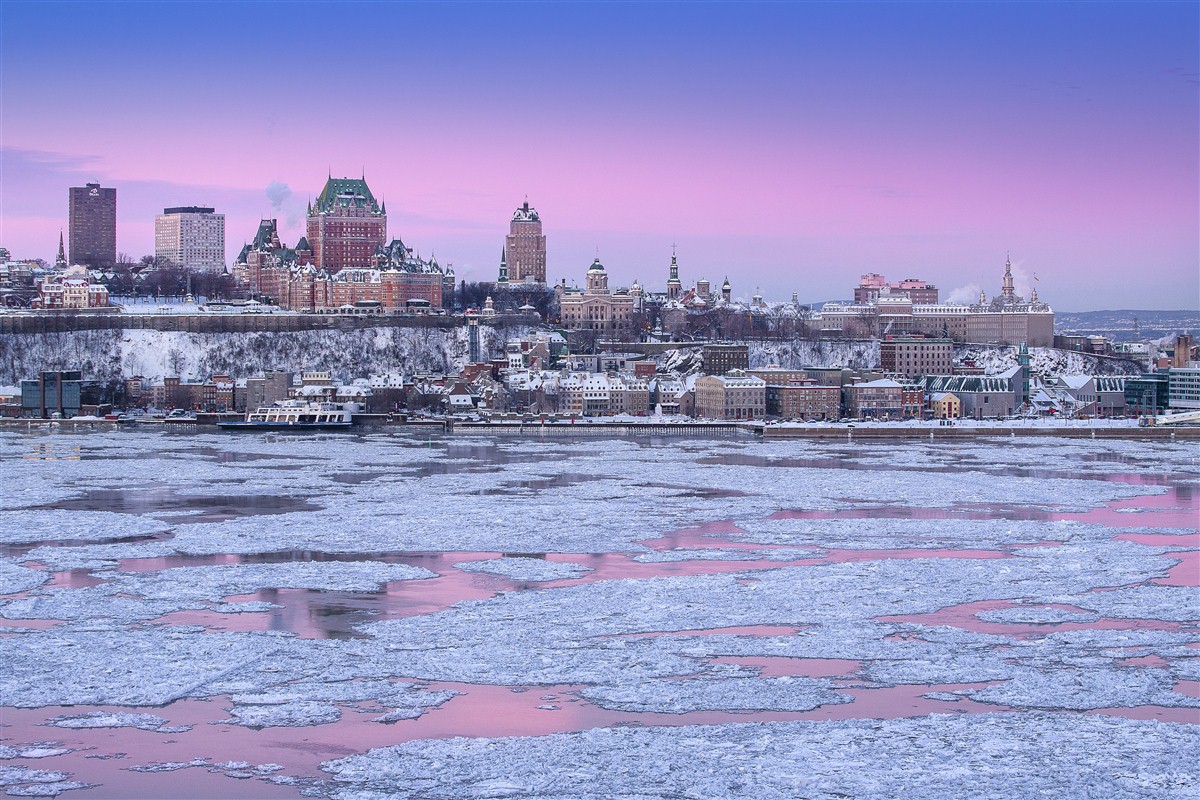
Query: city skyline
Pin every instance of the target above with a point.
(790, 147)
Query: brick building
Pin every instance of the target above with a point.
(913, 357)
(346, 225)
(722, 358)
(803, 400)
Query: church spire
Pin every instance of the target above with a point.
(1008, 290)
(61, 261)
(503, 268)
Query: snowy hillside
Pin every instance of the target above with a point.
(862, 354)
(107, 355)
(1043, 361)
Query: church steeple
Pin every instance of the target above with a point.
(674, 286)
(61, 260)
(1008, 291)
(503, 268)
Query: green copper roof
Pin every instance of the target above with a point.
(346, 192)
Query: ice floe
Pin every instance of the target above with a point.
(962, 756)
(525, 569)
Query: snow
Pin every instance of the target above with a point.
(967, 757)
(113, 354)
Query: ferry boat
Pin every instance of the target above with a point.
(295, 415)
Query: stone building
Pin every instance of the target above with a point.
(1007, 318)
(596, 308)
(525, 247)
(732, 396)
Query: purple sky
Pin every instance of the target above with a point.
(791, 147)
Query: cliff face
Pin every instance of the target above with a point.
(112, 354)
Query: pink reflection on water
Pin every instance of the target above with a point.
(1185, 573)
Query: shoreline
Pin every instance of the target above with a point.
(847, 431)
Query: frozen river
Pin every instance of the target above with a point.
(396, 615)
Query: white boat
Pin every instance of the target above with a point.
(295, 415)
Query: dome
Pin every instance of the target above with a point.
(596, 265)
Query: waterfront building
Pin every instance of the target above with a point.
(191, 237)
(912, 357)
(802, 399)
(593, 394)
(52, 393)
(346, 225)
(92, 226)
(1094, 395)
(945, 405)
(525, 247)
(1183, 387)
(982, 396)
(596, 308)
(1148, 394)
(735, 395)
(876, 399)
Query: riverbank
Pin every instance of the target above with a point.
(1071, 429)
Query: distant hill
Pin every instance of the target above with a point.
(1127, 324)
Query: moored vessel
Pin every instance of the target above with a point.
(295, 415)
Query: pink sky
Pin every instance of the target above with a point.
(788, 147)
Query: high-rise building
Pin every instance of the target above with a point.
(191, 237)
(346, 226)
(93, 225)
(525, 247)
